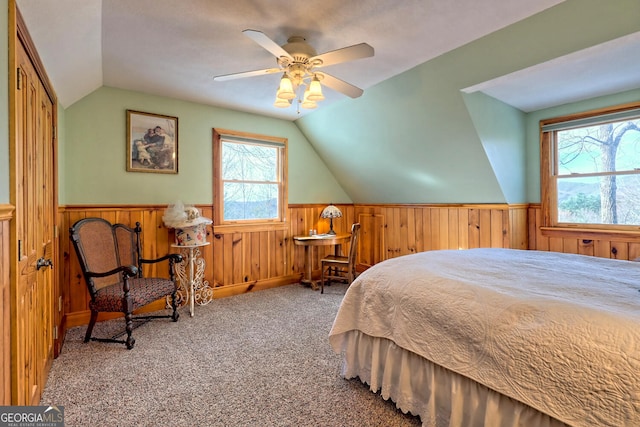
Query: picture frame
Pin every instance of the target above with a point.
(152, 142)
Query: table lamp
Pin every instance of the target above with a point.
(331, 212)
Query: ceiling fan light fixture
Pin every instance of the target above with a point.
(298, 60)
(315, 90)
(285, 91)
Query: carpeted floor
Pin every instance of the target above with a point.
(258, 359)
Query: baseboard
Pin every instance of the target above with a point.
(259, 285)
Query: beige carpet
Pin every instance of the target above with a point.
(258, 359)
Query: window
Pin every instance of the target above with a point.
(249, 178)
(591, 169)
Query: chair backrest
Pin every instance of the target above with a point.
(353, 245)
(102, 247)
(128, 244)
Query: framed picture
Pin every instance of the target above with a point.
(152, 142)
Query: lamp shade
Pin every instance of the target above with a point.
(282, 103)
(286, 88)
(331, 211)
(306, 102)
(315, 90)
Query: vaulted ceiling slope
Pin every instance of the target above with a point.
(174, 48)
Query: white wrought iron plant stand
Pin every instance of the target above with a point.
(192, 287)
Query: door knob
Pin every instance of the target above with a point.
(43, 263)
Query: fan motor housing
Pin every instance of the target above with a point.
(299, 49)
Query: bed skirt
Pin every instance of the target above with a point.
(441, 398)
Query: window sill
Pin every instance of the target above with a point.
(249, 228)
(590, 233)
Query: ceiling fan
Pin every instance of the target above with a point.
(298, 61)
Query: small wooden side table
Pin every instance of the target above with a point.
(318, 240)
(190, 273)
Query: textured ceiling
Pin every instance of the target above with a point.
(174, 48)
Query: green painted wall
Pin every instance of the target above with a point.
(501, 129)
(414, 139)
(94, 153)
(409, 139)
(4, 104)
(533, 131)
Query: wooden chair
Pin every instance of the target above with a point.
(341, 268)
(111, 263)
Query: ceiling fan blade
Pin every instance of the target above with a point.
(264, 41)
(234, 76)
(345, 54)
(341, 86)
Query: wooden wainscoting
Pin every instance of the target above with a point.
(623, 245)
(239, 259)
(389, 231)
(6, 213)
(245, 258)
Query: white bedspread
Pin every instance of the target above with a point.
(559, 332)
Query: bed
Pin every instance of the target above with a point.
(497, 337)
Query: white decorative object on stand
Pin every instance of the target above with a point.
(193, 229)
(191, 235)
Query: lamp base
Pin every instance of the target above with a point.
(331, 232)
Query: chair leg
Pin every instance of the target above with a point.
(322, 279)
(128, 317)
(174, 305)
(92, 323)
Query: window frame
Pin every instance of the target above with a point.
(218, 183)
(549, 174)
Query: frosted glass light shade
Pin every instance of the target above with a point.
(306, 102)
(281, 103)
(315, 90)
(285, 91)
